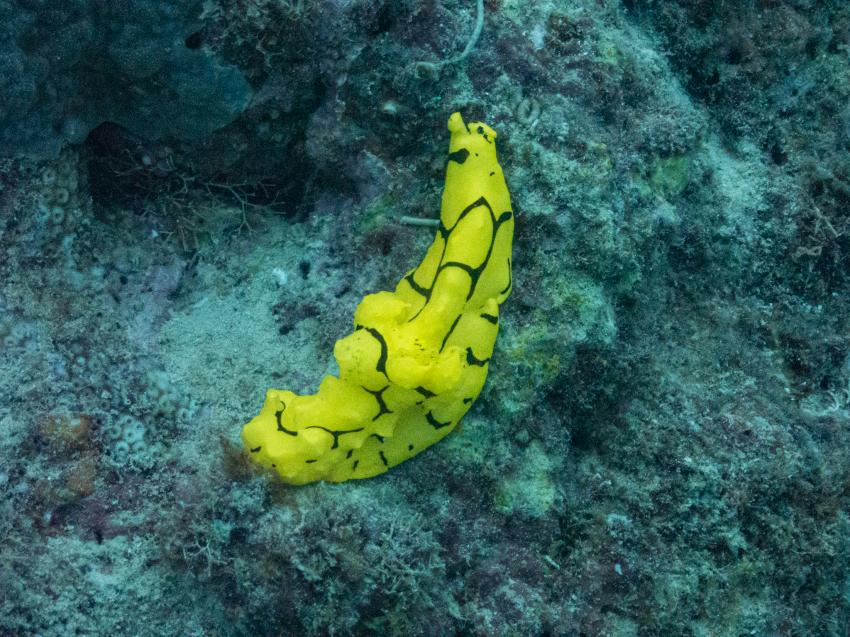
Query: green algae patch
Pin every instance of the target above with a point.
(378, 214)
(530, 492)
(665, 176)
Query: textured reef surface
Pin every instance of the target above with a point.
(195, 195)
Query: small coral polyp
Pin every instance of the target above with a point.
(418, 356)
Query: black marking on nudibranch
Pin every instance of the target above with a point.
(436, 424)
(490, 318)
(334, 433)
(425, 392)
(510, 279)
(379, 396)
(468, 400)
(348, 455)
(256, 449)
(378, 436)
(280, 427)
(311, 461)
(381, 365)
(449, 333)
(471, 359)
(383, 458)
(416, 287)
(410, 447)
(356, 462)
(459, 155)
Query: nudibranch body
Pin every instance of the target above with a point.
(418, 356)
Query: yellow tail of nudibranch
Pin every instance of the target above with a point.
(418, 357)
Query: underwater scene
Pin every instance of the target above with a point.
(472, 318)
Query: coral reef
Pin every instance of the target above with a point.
(188, 213)
(71, 66)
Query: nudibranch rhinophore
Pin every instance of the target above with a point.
(418, 357)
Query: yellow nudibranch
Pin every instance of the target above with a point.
(417, 357)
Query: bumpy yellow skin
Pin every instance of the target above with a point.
(418, 357)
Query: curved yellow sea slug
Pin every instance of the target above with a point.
(417, 357)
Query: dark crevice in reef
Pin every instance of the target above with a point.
(184, 185)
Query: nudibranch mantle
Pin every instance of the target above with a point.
(418, 356)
